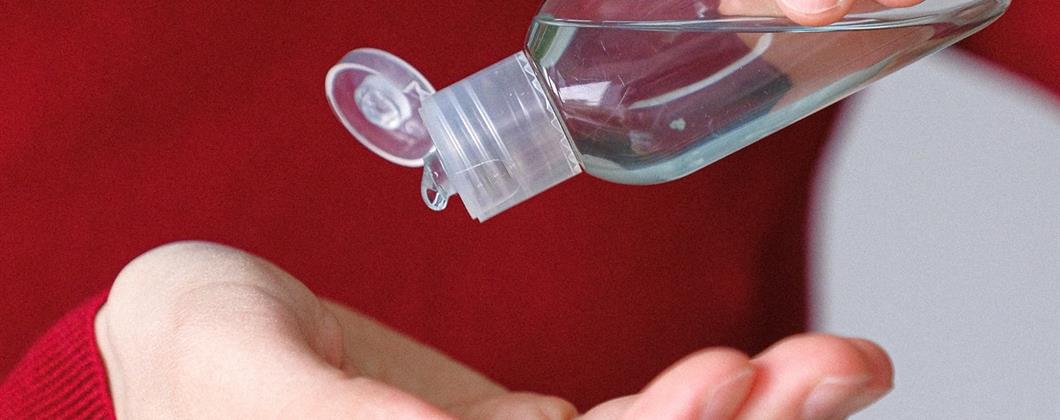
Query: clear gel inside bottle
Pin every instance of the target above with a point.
(633, 91)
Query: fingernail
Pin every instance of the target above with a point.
(835, 397)
(811, 7)
(725, 398)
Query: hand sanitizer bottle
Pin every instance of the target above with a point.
(630, 91)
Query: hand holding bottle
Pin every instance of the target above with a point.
(807, 12)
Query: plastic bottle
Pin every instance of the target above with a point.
(631, 91)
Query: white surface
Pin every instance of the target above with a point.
(937, 233)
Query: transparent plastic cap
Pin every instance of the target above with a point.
(493, 138)
(376, 96)
(497, 138)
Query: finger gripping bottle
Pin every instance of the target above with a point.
(630, 91)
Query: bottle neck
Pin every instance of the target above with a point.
(497, 138)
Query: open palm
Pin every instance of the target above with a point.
(200, 330)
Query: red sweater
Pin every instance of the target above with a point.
(62, 375)
(127, 125)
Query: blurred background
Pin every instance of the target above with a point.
(937, 232)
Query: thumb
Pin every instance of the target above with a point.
(200, 330)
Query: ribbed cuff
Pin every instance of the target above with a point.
(62, 375)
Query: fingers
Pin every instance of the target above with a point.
(899, 3)
(610, 410)
(815, 12)
(807, 377)
(749, 8)
(817, 377)
(879, 363)
(807, 12)
(711, 384)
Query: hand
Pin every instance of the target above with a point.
(200, 330)
(807, 12)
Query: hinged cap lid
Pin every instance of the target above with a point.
(377, 97)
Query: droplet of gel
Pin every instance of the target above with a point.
(435, 185)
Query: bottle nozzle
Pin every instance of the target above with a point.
(494, 138)
(497, 138)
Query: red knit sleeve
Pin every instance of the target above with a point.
(62, 375)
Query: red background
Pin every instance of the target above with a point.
(125, 125)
